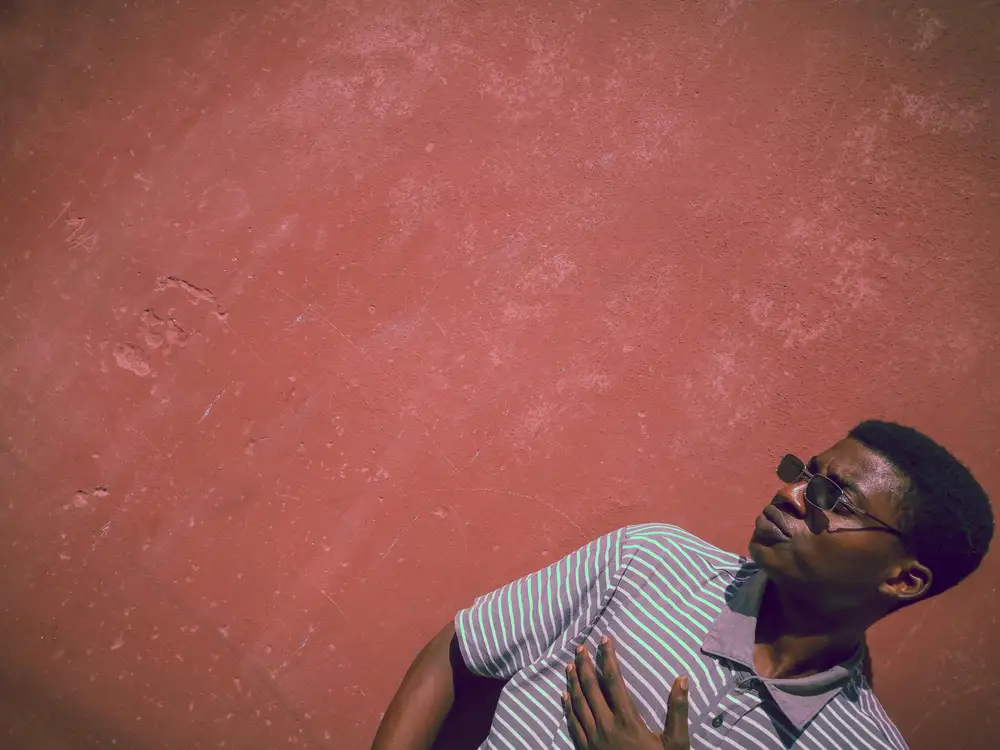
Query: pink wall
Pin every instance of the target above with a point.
(355, 310)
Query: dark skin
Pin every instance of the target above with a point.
(834, 574)
(831, 575)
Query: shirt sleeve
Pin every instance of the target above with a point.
(508, 629)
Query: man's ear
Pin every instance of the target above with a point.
(908, 582)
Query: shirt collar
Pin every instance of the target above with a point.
(732, 637)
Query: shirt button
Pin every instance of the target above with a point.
(718, 720)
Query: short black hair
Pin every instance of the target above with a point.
(945, 513)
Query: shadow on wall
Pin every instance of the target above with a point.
(866, 666)
(55, 721)
(468, 722)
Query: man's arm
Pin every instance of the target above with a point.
(425, 696)
(472, 658)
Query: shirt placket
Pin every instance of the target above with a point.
(738, 698)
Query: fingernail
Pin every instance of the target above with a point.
(565, 697)
(581, 650)
(684, 684)
(605, 641)
(571, 668)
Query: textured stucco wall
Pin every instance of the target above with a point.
(318, 319)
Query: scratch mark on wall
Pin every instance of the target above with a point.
(461, 528)
(148, 441)
(215, 400)
(398, 535)
(309, 634)
(245, 343)
(79, 235)
(435, 321)
(323, 592)
(485, 446)
(300, 317)
(65, 208)
(437, 447)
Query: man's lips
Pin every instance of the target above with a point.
(776, 517)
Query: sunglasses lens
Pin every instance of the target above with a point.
(790, 469)
(822, 492)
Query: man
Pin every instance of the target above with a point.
(701, 648)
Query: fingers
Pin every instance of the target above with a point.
(578, 705)
(576, 732)
(589, 717)
(676, 733)
(614, 685)
(591, 687)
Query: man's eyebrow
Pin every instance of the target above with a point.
(847, 484)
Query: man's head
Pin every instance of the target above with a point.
(926, 522)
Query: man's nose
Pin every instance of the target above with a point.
(791, 498)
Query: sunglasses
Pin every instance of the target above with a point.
(822, 492)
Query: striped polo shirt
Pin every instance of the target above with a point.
(675, 605)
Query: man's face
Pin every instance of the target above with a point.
(840, 554)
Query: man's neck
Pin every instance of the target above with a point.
(794, 638)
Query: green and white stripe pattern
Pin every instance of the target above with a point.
(664, 596)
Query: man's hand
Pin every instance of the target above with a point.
(602, 716)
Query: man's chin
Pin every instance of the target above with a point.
(773, 561)
(762, 553)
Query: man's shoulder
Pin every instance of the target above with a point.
(858, 717)
(679, 547)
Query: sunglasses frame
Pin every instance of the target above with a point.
(841, 494)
